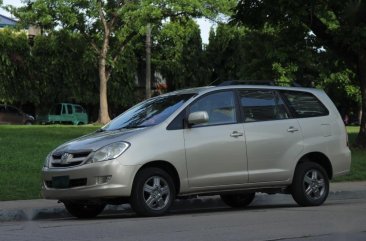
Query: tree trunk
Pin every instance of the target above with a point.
(148, 61)
(103, 80)
(361, 74)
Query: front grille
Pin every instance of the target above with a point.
(73, 183)
(65, 159)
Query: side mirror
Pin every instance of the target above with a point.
(198, 117)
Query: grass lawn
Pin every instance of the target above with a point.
(24, 148)
(22, 152)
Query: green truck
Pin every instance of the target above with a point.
(65, 113)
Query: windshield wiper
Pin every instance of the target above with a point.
(135, 127)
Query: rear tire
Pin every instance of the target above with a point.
(239, 200)
(310, 185)
(84, 210)
(153, 192)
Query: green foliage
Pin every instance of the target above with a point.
(108, 28)
(285, 74)
(63, 62)
(225, 53)
(237, 52)
(178, 54)
(342, 82)
(15, 68)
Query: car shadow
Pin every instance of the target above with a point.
(203, 206)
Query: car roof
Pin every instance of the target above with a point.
(64, 103)
(206, 89)
(196, 90)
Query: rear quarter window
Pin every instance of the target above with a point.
(78, 109)
(304, 104)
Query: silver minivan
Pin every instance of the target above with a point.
(232, 140)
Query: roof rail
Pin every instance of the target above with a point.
(257, 82)
(246, 82)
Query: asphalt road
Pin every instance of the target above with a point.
(274, 217)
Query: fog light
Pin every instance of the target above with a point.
(103, 179)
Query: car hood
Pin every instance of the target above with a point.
(96, 140)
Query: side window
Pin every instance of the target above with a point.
(69, 109)
(220, 107)
(78, 109)
(63, 112)
(12, 110)
(305, 104)
(2, 109)
(262, 105)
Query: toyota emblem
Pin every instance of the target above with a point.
(66, 157)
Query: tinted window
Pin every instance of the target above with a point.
(12, 110)
(148, 113)
(262, 105)
(78, 109)
(63, 109)
(220, 107)
(2, 109)
(305, 104)
(69, 109)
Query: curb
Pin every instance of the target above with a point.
(181, 205)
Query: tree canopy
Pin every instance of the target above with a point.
(109, 26)
(337, 26)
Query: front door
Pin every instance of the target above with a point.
(215, 151)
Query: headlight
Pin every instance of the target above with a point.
(109, 152)
(47, 160)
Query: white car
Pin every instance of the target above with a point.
(231, 140)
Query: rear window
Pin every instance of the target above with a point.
(305, 104)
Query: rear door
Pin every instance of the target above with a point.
(273, 137)
(80, 114)
(215, 151)
(69, 115)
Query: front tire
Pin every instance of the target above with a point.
(153, 192)
(310, 186)
(84, 210)
(241, 200)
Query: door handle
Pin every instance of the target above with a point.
(292, 129)
(236, 134)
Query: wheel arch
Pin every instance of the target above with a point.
(167, 167)
(319, 158)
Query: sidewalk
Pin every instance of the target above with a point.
(38, 209)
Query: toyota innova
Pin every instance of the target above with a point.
(228, 140)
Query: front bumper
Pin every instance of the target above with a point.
(87, 184)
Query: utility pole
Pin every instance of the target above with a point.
(148, 61)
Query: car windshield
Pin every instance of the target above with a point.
(148, 113)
